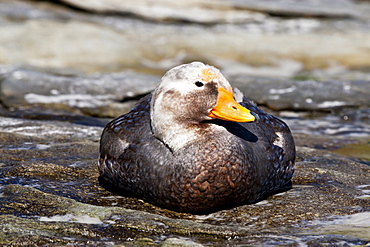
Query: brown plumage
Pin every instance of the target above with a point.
(190, 147)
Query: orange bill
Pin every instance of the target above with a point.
(228, 109)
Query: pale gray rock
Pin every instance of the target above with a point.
(110, 95)
(304, 95)
(62, 38)
(319, 8)
(94, 94)
(210, 11)
(200, 11)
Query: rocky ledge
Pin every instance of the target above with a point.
(110, 95)
(50, 194)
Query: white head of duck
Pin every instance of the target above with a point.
(186, 97)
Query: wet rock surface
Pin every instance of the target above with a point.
(105, 95)
(66, 71)
(305, 95)
(50, 194)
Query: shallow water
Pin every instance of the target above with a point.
(350, 123)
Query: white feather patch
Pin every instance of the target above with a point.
(280, 141)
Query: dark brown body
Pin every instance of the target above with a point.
(231, 164)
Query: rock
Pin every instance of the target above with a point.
(272, 46)
(345, 225)
(304, 95)
(54, 113)
(357, 150)
(321, 8)
(29, 232)
(103, 95)
(49, 129)
(220, 11)
(110, 95)
(49, 192)
(206, 12)
(173, 242)
(60, 209)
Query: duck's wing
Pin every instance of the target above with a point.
(271, 129)
(129, 151)
(126, 129)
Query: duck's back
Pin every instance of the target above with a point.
(256, 159)
(275, 138)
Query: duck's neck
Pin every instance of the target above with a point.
(176, 134)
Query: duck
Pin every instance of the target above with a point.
(194, 145)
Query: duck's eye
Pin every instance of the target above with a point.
(199, 84)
